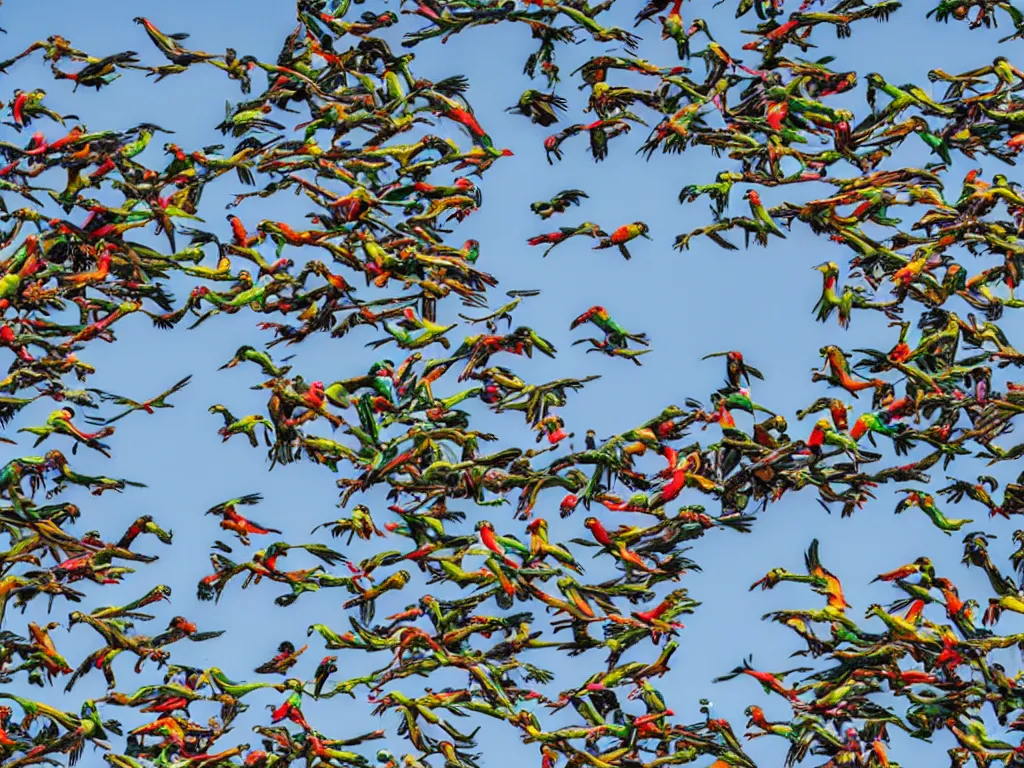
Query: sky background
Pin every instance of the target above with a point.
(691, 304)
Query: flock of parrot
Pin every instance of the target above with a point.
(480, 595)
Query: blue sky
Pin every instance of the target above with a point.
(691, 304)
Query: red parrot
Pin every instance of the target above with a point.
(623, 235)
(232, 521)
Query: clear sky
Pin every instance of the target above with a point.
(691, 304)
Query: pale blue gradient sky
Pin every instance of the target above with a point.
(691, 304)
